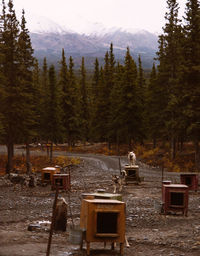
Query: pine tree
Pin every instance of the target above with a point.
(45, 94)
(141, 98)
(154, 114)
(95, 81)
(170, 57)
(74, 107)
(84, 112)
(192, 72)
(26, 91)
(93, 109)
(54, 132)
(64, 87)
(130, 115)
(116, 121)
(101, 110)
(9, 54)
(37, 98)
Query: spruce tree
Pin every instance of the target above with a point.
(170, 57)
(117, 125)
(45, 94)
(9, 53)
(64, 87)
(74, 106)
(141, 98)
(130, 114)
(154, 112)
(37, 98)
(192, 72)
(84, 111)
(100, 126)
(54, 132)
(26, 91)
(94, 99)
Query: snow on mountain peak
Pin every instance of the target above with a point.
(77, 24)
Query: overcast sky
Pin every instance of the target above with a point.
(134, 14)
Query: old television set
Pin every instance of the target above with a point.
(175, 198)
(190, 179)
(103, 221)
(61, 181)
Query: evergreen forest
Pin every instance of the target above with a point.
(114, 103)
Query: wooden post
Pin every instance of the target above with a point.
(52, 223)
(120, 169)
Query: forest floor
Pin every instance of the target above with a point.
(148, 231)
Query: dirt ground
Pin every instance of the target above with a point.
(148, 231)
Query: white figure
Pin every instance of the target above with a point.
(132, 158)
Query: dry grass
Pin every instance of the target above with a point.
(160, 156)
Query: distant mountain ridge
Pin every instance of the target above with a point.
(49, 39)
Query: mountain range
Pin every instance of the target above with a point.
(48, 39)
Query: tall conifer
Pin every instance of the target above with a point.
(9, 54)
(84, 111)
(192, 72)
(26, 90)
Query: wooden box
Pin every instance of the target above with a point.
(104, 221)
(175, 198)
(132, 174)
(191, 180)
(47, 174)
(61, 181)
(164, 182)
(100, 195)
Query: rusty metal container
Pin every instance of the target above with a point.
(175, 198)
(61, 181)
(104, 221)
(191, 180)
(47, 174)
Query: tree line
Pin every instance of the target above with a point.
(118, 105)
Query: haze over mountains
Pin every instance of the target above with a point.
(48, 38)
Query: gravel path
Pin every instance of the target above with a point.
(148, 231)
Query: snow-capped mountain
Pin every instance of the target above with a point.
(89, 40)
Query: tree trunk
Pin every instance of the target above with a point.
(28, 163)
(118, 145)
(109, 145)
(154, 142)
(197, 155)
(173, 148)
(10, 150)
(51, 152)
(130, 144)
(48, 148)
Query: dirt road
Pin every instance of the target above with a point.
(148, 231)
